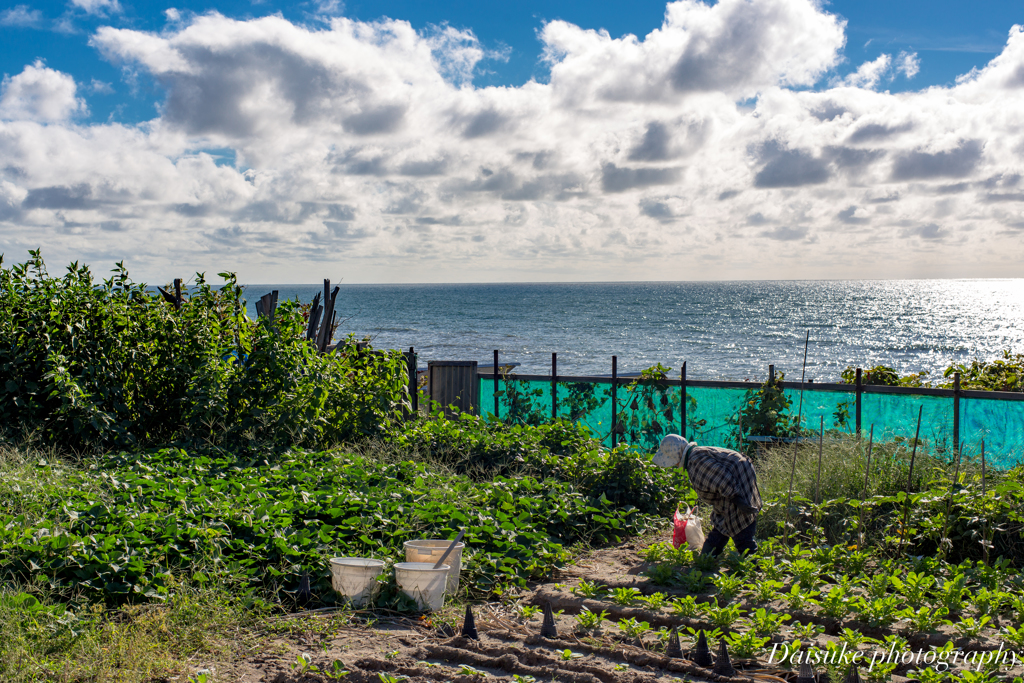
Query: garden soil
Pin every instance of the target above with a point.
(396, 648)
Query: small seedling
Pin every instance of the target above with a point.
(810, 630)
(662, 574)
(389, 678)
(633, 628)
(687, 606)
(723, 617)
(199, 678)
(767, 623)
(882, 611)
(391, 655)
(836, 603)
(694, 581)
(797, 599)
(928, 619)
(624, 596)
(655, 601)
(523, 679)
(589, 621)
(745, 645)
(728, 586)
(528, 612)
(589, 589)
(971, 627)
(467, 670)
(429, 665)
(765, 591)
(854, 639)
(566, 655)
(620, 667)
(1013, 636)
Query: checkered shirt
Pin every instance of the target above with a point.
(718, 475)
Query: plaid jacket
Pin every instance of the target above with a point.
(718, 475)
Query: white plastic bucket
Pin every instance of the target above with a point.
(431, 550)
(355, 577)
(421, 582)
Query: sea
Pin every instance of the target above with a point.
(722, 330)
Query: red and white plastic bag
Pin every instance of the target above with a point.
(687, 529)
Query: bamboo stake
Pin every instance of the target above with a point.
(910, 475)
(796, 441)
(949, 501)
(867, 471)
(984, 498)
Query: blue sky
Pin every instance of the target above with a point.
(468, 141)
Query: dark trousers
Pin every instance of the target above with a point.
(744, 540)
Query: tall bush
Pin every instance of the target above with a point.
(92, 365)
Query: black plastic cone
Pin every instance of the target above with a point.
(823, 677)
(852, 674)
(469, 625)
(723, 665)
(673, 648)
(547, 629)
(446, 631)
(806, 673)
(702, 653)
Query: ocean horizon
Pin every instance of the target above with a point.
(722, 329)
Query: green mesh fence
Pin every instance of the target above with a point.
(648, 412)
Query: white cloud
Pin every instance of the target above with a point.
(98, 7)
(870, 73)
(21, 15)
(39, 94)
(908, 64)
(279, 143)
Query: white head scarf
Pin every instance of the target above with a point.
(672, 451)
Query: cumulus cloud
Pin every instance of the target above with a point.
(39, 94)
(727, 134)
(98, 7)
(21, 15)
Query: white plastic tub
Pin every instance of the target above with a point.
(431, 550)
(421, 582)
(356, 578)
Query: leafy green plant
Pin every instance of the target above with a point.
(467, 670)
(687, 606)
(1013, 636)
(914, 587)
(390, 678)
(808, 631)
(806, 573)
(655, 601)
(713, 636)
(705, 562)
(971, 627)
(928, 619)
(589, 589)
(767, 623)
(798, 599)
(632, 628)
(728, 586)
(836, 602)
(765, 591)
(624, 596)
(951, 594)
(663, 574)
(523, 679)
(590, 621)
(567, 655)
(881, 611)
(723, 617)
(694, 581)
(854, 639)
(528, 612)
(745, 645)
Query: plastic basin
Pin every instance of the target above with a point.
(421, 582)
(356, 577)
(431, 550)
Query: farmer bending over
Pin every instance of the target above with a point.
(723, 479)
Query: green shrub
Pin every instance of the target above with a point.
(94, 366)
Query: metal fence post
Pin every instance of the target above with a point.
(615, 417)
(859, 391)
(496, 385)
(554, 386)
(956, 413)
(682, 401)
(414, 390)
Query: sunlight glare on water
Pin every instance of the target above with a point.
(724, 330)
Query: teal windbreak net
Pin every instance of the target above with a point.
(714, 415)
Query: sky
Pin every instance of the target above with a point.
(402, 141)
